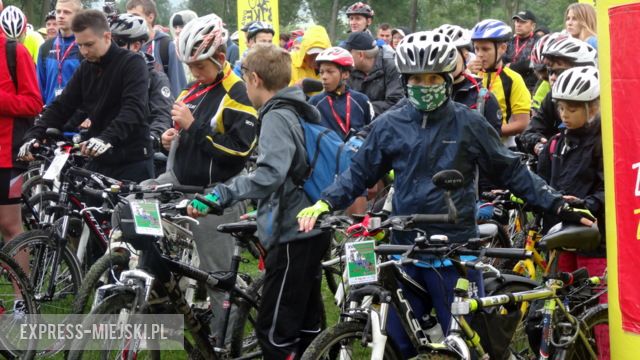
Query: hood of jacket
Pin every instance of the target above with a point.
(314, 37)
(292, 97)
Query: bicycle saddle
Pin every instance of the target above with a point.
(238, 227)
(571, 237)
(487, 230)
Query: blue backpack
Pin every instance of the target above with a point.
(327, 155)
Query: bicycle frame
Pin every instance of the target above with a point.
(462, 305)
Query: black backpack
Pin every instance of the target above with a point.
(11, 61)
(164, 53)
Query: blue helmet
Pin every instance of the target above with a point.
(252, 29)
(493, 30)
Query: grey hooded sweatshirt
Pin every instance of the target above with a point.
(281, 156)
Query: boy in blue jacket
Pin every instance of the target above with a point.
(342, 109)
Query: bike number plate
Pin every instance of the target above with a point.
(146, 217)
(361, 262)
(56, 166)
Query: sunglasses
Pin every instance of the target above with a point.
(120, 42)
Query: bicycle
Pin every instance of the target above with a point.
(157, 273)
(364, 328)
(361, 331)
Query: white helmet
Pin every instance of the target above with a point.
(572, 49)
(577, 84)
(200, 38)
(426, 52)
(130, 28)
(460, 36)
(13, 21)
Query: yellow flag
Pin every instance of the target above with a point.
(257, 10)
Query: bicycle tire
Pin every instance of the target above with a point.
(10, 270)
(324, 345)
(93, 276)
(113, 304)
(243, 338)
(29, 186)
(31, 206)
(595, 316)
(39, 242)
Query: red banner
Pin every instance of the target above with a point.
(625, 85)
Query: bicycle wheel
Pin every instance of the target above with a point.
(344, 341)
(243, 335)
(36, 185)
(594, 324)
(516, 228)
(100, 270)
(119, 304)
(33, 210)
(38, 250)
(14, 287)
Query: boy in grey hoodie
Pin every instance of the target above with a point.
(289, 316)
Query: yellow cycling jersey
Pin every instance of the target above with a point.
(510, 90)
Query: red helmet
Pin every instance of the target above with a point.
(360, 8)
(336, 55)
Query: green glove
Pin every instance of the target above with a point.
(516, 199)
(202, 207)
(314, 211)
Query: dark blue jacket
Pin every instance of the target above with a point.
(361, 110)
(48, 65)
(417, 145)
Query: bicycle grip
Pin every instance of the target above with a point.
(96, 194)
(515, 254)
(213, 207)
(433, 219)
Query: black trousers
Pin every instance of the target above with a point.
(291, 311)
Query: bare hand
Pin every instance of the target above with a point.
(539, 146)
(182, 115)
(475, 66)
(85, 124)
(167, 137)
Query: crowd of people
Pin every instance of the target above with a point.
(424, 101)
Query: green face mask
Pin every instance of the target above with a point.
(427, 98)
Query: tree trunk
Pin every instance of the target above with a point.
(27, 9)
(332, 23)
(414, 15)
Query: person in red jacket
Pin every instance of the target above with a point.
(17, 103)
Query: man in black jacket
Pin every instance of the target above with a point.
(111, 85)
(375, 73)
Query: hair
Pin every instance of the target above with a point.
(90, 19)
(285, 37)
(371, 53)
(271, 63)
(586, 14)
(76, 3)
(148, 6)
(384, 26)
